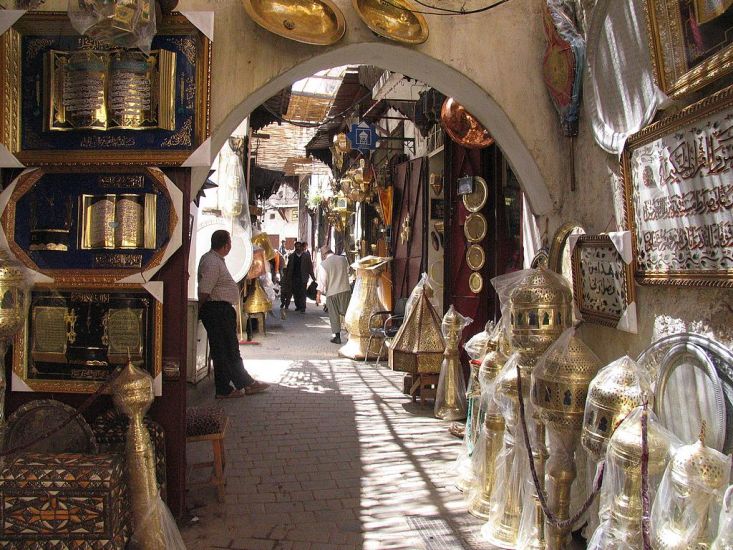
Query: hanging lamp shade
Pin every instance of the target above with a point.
(418, 345)
(463, 127)
(257, 301)
(396, 20)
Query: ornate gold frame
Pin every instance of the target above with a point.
(708, 106)
(80, 277)
(20, 341)
(590, 315)
(668, 55)
(57, 23)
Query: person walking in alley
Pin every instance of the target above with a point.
(333, 281)
(218, 296)
(297, 272)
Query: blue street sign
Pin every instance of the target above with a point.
(363, 136)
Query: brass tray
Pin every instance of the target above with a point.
(476, 282)
(317, 22)
(475, 257)
(396, 20)
(475, 228)
(475, 201)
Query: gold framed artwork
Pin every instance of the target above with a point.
(74, 338)
(91, 224)
(691, 43)
(72, 100)
(678, 183)
(603, 279)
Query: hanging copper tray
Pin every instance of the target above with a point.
(317, 22)
(475, 201)
(396, 20)
(475, 257)
(476, 282)
(475, 228)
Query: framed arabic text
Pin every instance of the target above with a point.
(603, 287)
(678, 191)
(75, 338)
(72, 100)
(691, 42)
(89, 225)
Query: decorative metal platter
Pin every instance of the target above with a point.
(435, 272)
(475, 257)
(317, 22)
(397, 20)
(37, 417)
(476, 200)
(476, 282)
(696, 372)
(475, 227)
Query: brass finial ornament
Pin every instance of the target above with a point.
(559, 389)
(14, 286)
(263, 241)
(695, 478)
(450, 400)
(133, 395)
(396, 20)
(316, 22)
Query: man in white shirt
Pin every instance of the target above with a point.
(218, 296)
(333, 281)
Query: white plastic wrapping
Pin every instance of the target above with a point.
(123, 23)
(724, 540)
(686, 508)
(423, 285)
(621, 490)
(171, 535)
(477, 346)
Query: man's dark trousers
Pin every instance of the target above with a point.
(299, 292)
(220, 322)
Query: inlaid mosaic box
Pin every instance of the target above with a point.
(64, 501)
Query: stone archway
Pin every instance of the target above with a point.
(422, 67)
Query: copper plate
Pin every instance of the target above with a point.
(396, 20)
(475, 282)
(317, 22)
(475, 228)
(475, 201)
(475, 257)
(462, 126)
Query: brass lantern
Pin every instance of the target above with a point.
(13, 312)
(559, 390)
(695, 478)
(624, 459)
(257, 301)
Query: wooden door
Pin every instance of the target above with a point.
(409, 225)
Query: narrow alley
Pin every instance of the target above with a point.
(333, 456)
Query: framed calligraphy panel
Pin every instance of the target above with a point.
(603, 280)
(72, 100)
(74, 338)
(678, 191)
(691, 42)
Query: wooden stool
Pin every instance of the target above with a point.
(426, 386)
(208, 424)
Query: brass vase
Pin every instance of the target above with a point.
(450, 399)
(133, 395)
(559, 391)
(365, 301)
(13, 312)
